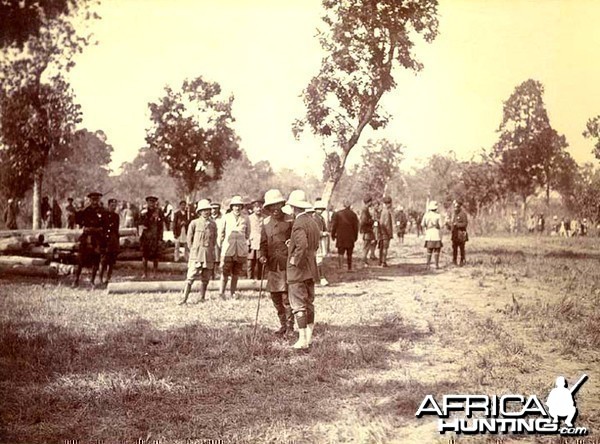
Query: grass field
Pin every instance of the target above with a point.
(84, 365)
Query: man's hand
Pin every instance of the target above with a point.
(263, 260)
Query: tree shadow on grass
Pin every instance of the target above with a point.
(193, 381)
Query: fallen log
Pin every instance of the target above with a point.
(39, 251)
(68, 246)
(10, 246)
(174, 286)
(20, 260)
(30, 270)
(179, 267)
(123, 232)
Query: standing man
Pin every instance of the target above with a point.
(10, 214)
(110, 245)
(56, 214)
(202, 238)
(367, 228)
(302, 267)
(180, 225)
(401, 222)
(71, 211)
(386, 230)
(233, 240)
(256, 223)
(344, 230)
(217, 217)
(320, 207)
(459, 224)
(152, 222)
(46, 211)
(168, 215)
(276, 232)
(91, 220)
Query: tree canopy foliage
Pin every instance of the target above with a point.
(592, 131)
(39, 114)
(380, 162)
(363, 41)
(192, 133)
(529, 151)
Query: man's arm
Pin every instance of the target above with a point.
(300, 241)
(190, 234)
(334, 225)
(264, 243)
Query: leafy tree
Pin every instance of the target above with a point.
(557, 167)
(22, 19)
(85, 168)
(146, 161)
(479, 185)
(145, 175)
(585, 199)
(529, 151)
(380, 163)
(38, 111)
(363, 42)
(37, 123)
(192, 133)
(592, 130)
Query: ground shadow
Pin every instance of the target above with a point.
(191, 381)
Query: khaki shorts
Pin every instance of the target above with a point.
(197, 270)
(234, 266)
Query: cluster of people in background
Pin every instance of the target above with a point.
(564, 227)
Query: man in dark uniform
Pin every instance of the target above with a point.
(110, 247)
(386, 230)
(344, 230)
(401, 222)
(302, 267)
(152, 222)
(10, 214)
(91, 220)
(458, 225)
(180, 227)
(71, 211)
(368, 231)
(276, 231)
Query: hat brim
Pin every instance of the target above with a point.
(299, 204)
(273, 202)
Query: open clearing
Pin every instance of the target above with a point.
(82, 364)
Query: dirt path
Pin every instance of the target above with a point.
(476, 340)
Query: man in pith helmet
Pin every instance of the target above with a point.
(276, 231)
(233, 240)
(302, 267)
(202, 239)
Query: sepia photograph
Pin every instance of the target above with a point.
(299, 221)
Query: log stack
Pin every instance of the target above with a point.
(53, 252)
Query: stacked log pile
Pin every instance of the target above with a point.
(53, 252)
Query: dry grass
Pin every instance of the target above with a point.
(81, 364)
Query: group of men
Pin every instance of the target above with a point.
(286, 250)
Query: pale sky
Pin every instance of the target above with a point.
(264, 52)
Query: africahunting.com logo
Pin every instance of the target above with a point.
(514, 414)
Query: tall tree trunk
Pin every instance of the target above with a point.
(37, 200)
(333, 181)
(547, 193)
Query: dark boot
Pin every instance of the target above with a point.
(203, 287)
(282, 320)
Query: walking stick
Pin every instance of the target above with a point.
(262, 276)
